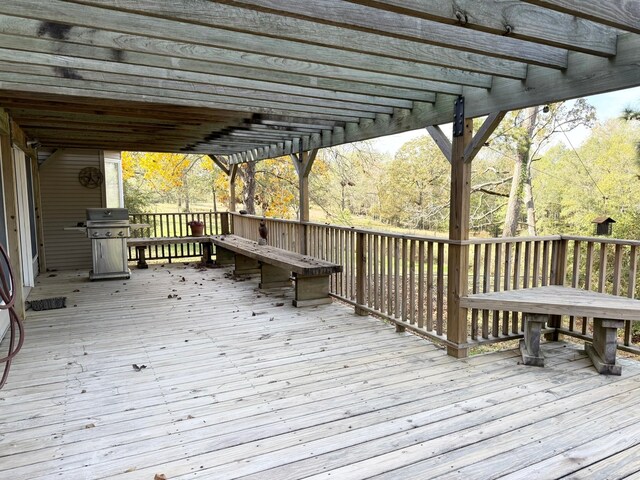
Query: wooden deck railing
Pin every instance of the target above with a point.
(500, 264)
(403, 278)
(602, 265)
(175, 225)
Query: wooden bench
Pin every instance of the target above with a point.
(141, 245)
(311, 275)
(608, 312)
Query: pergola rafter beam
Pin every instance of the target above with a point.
(57, 15)
(622, 14)
(72, 68)
(172, 89)
(245, 27)
(193, 100)
(513, 17)
(265, 78)
(398, 26)
(225, 65)
(587, 75)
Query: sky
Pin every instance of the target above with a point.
(608, 105)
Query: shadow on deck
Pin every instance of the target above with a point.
(239, 384)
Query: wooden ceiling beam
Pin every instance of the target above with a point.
(585, 75)
(187, 100)
(97, 70)
(398, 26)
(514, 18)
(242, 28)
(130, 48)
(33, 116)
(101, 106)
(218, 25)
(621, 14)
(166, 89)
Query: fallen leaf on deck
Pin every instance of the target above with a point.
(90, 425)
(160, 476)
(280, 304)
(131, 469)
(138, 368)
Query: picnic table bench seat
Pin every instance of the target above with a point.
(142, 243)
(609, 312)
(276, 266)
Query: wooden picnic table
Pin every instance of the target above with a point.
(608, 312)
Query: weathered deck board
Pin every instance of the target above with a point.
(238, 386)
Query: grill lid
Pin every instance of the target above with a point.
(106, 215)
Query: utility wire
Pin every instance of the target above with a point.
(583, 164)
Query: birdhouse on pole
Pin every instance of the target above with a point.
(604, 225)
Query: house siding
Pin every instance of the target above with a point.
(64, 202)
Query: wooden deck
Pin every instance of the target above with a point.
(237, 385)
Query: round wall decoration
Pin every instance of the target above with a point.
(90, 177)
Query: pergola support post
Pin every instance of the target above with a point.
(458, 261)
(233, 172)
(460, 154)
(303, 163)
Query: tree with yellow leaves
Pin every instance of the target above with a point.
(164, 174)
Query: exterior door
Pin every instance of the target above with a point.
(27, 247)
(4, 314)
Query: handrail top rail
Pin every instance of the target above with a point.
(353, 229)
(178, 213)
(610, 241)
(471, 241)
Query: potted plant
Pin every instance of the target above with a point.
(197, 228)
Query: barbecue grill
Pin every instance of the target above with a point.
(108, 229)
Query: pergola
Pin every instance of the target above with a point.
(245, 80)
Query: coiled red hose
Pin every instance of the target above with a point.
(8, 296)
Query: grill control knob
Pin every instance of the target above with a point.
(121, 233)
(108, 234)
(95, 234)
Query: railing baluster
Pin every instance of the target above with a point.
(631, 289)
(602, 274)
(486, 288)
(507, 279)
(617, 269)
(440, 290)
(375, 239)
(527, 264)
(474, 289)
(405, 279)
(396, 278)
(370, 273)
(545, 263)
(516, 285)
(430, 325)
(412, 282)
(575, 274)
(536, 264)
(420, 284)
